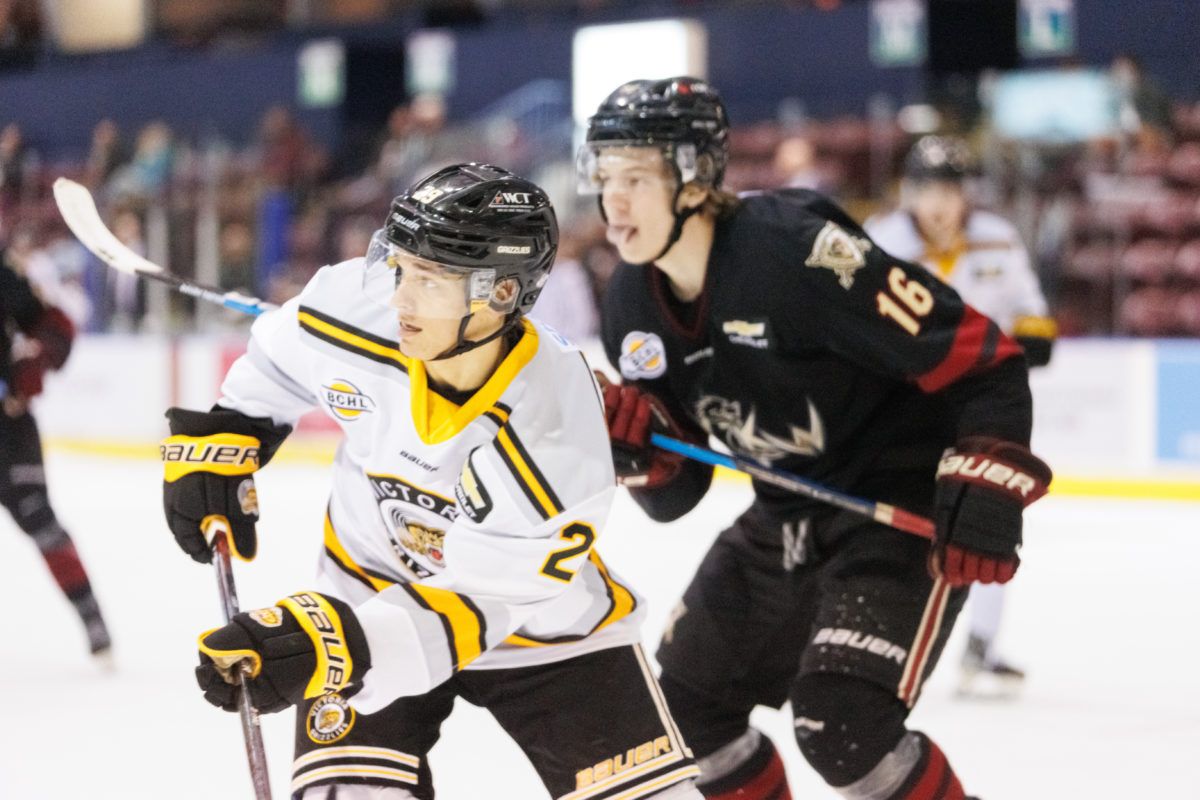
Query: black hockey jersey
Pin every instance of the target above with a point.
(812, 350)
(20, 311)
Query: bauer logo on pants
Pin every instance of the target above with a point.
(330, 718)
(642, 355)
(857, 640)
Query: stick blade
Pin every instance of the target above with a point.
(79, 211)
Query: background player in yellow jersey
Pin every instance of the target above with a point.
(982, 256)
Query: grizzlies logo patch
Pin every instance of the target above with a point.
(330, 718)
(268, 617)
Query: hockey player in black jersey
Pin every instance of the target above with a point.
(45, 335)
(774, 324)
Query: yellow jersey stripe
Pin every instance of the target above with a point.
(466, 622)
(540, 495)
(623, 601)
(622, 605)
(351, 341)
(334, 547)
(1043, 327)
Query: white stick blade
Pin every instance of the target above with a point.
(79, 211)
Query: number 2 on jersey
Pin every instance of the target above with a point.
(583, 535)
(915, 301)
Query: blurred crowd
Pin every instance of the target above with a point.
(1114, 224)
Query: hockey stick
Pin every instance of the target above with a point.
(78, 209)
(883, 513)
(216, 530)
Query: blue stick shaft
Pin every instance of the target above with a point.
(881, 512)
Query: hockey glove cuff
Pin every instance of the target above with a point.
(305, 646)
(632, 416)
(983, 485)
(208, 468)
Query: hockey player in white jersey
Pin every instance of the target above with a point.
(468, 492)
(982, 256)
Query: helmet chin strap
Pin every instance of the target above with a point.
(677, 229)
(463, 345)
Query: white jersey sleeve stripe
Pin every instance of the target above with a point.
(263, 363)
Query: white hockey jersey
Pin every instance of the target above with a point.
(991, 270)
(463, 535)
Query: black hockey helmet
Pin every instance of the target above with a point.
(939, 158)
(481, 221)
(685, 116)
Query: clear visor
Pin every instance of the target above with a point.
(598, 164)
(394, 277)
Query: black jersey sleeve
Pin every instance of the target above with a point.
(897, 319)
(681, 495)
(20, 304)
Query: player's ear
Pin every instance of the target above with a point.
(692, 196)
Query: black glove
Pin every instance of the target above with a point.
(306, 646)
(983, 485)
(632, 416)
(208, 467)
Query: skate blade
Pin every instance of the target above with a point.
(988, 686)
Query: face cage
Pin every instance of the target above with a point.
(682, 156)
(382, 274)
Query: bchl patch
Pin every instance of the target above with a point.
(642, 355)
(345, 400)
(268, 617)
(473, 499)
(837, 250)
(329, 718)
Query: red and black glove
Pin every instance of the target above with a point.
(26, 379)
(632, 416)
(52, 336)
(306, 646)
(983, 485)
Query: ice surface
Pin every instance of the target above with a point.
(1104, 616)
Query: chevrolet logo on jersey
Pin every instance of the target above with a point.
(346, 401)
(751, 334)
(642, 355)
(837, 250)
(472, 498)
